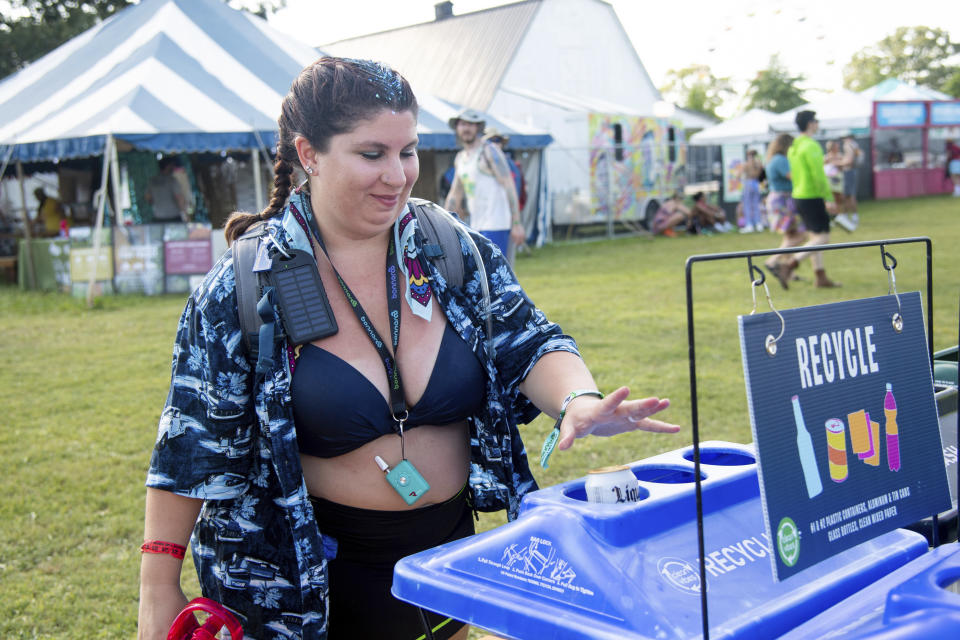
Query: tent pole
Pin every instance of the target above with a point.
(28, 237)
(115, 182)
(99, 225)
(257, 179)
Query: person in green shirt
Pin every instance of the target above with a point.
(811, 194)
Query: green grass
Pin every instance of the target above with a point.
(81, 391)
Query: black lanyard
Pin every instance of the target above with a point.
(398, 404)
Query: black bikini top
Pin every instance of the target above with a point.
(336, 409)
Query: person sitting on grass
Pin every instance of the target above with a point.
(706, 216)
(671, 214)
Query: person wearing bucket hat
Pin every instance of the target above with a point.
(468, 115)
(482, 178)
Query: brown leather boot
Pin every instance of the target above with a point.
(823, 281)
(779, 271)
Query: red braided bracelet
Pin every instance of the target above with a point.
(159, 546)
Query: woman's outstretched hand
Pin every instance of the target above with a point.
(611, 415)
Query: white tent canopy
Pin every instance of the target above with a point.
(893, 89)
(842, 110)
(749, 128)
(165, 75)
(837, 112)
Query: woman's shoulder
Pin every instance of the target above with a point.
(218, 289)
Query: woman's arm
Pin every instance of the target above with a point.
(169, 518)
(558, 373)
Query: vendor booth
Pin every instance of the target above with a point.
(909, 146)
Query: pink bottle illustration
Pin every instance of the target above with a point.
(890, 428)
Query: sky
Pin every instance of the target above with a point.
(736, 38)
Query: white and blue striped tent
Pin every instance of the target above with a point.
(163, 75)
(170, 76)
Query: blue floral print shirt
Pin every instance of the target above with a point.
(226, 435)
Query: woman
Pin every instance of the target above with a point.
(751, 170)
(298, 525)
(783, 213)
(670, 214)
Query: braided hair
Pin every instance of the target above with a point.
(328, 98)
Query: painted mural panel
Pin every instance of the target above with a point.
(633, 159)
(733, 157)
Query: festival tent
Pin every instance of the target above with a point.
(837, 112)
(162, 75)
(893, 89)
(748, 128)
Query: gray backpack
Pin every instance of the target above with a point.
(442, 247)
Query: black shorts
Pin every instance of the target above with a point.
(813, 211)
(369, 543)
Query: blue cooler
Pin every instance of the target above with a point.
(567, 568)
(916, 601)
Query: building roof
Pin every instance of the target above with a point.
(462, 57)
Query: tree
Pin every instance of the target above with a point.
(29, 29)
(952, 85)
(920, 55)
(262, 8)
(696, 88)
(774, 89)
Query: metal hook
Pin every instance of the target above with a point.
(277, 245)
(897, 319)
(770, 344)
(754, 282)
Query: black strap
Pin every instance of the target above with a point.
(247, 285)
(398, 404)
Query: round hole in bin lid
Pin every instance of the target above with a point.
(666, 474)
(721, 457)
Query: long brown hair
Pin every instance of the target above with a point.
(328, 98)
(779, 145)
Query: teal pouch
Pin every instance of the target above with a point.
(407, 481)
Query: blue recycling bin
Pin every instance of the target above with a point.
(917, 600)
(946, 397)
(567, 568)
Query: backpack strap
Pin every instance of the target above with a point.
(442, 233)
(442, 244)
(248, 285)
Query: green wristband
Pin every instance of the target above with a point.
(551, 442)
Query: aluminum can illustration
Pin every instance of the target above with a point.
(837, 449)
(612, 485)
